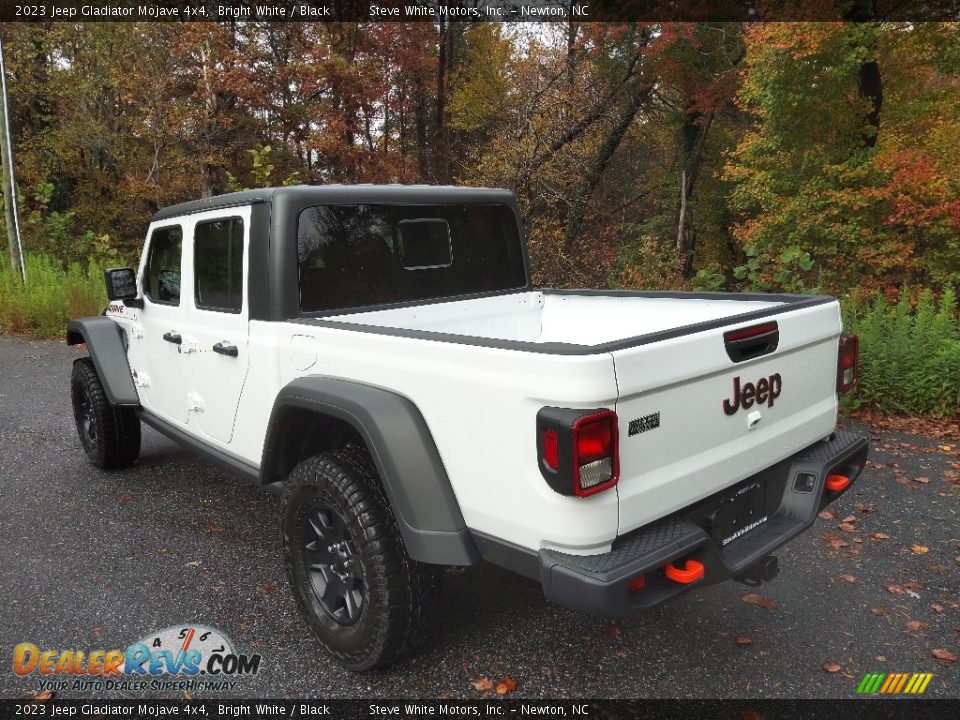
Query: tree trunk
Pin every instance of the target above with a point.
(599, 163)
(440, 159)
(209, 178)
(871, 90)
(9, 186)
(693, 135)
(420, 129)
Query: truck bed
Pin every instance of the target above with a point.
(587, 319)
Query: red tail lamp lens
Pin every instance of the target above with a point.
(551, 449)
(847, 362)
(596, 463)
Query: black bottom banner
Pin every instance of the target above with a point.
(893, 709)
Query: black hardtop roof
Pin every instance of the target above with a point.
(342, 194)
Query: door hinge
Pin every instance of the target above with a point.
(141, 379)
(136, 332)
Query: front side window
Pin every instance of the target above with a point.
(218, 264)
(359, 255)
(161, 282)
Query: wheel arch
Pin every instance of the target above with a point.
(313, 414)
(104, 341)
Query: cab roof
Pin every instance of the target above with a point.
(343, 195)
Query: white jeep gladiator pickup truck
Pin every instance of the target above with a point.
(381, 352)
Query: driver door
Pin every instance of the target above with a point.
(159, 368)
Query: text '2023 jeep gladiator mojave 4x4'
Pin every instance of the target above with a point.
(381, 352)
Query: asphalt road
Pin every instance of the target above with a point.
(92, 559)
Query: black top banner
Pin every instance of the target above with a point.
(477, 10)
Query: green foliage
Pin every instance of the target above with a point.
(53, 295)
(710, 278)
(909, 355)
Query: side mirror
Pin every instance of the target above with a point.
(121, 283)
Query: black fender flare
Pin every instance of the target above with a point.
(403, 451)
(104, 341)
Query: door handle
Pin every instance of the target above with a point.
(173, 337)
(225, 348)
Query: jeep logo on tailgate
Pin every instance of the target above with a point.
(765, 391)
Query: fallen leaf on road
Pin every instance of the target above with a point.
(913, 585)
(210, 527)
(827, 515)
(849, 519)
(878, 612)
(937, 608)
(268, 588)
(187, 696)
(848, 578)
(923, 480)
(944, 656)
(835, 541)
(744, 641)
(760, 601)
(914, 625)
(863, 507)
(893, 588)
(193, 563)
(832, 667)
(482, 684)
(614, 631)
(920, 549)
(126, 497)
(881, 658)
(847, 527)
(507, 685)
(880, 536)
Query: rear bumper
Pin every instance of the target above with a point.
(796, 492)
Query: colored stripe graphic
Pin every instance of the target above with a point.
(894, 684)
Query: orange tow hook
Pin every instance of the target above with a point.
(691, 572)
(836, 483)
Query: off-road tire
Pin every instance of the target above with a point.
(397, 592)
(109, 435)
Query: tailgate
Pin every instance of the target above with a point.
(690, 420)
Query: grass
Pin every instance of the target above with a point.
(909, 354)
(54, 293)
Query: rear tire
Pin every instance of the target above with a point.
(110, 435)
(363, 597)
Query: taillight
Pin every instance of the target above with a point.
(551, 449)
(577, 450)
(847, 362)
(595, 453)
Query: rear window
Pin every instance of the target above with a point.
(356, 255)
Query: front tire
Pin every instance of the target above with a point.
(110, 435)
(363, 596)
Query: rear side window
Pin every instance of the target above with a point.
(161, 281)
(357, 255)
(218, 264)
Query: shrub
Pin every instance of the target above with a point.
(909, 353)
(54, 294)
